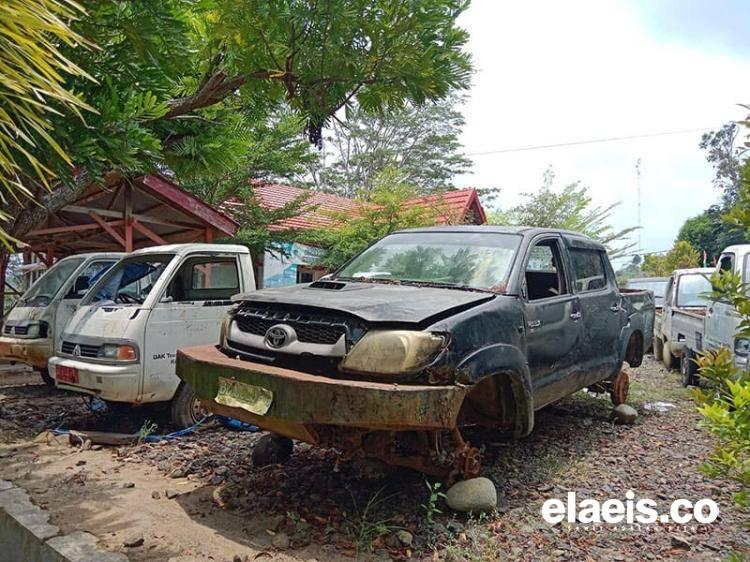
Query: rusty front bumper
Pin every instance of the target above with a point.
(34, 352)
(292, 403)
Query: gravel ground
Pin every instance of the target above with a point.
(357, 509)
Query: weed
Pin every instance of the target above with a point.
(147, 429)
(368, 525)
(431, 508)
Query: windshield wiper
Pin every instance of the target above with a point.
(412, 282)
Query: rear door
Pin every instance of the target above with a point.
(189, 312)
(602, 315)
(552, 320)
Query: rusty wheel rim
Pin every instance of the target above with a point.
(620, 388)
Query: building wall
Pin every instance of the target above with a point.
(281, 270)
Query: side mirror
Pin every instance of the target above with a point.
(82, 284)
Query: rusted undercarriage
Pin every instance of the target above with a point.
(413, 426)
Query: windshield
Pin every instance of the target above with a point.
(692, 290)
(463, 259)
(49, 284)
(130, 281)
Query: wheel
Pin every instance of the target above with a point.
(48, 380)
(272, 449)
(187, 409)
(688, 369)
(658, 349)
(667, 358)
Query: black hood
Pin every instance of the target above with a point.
(373, 302)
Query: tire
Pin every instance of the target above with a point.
(658, 349)
(186, 408)
(688, 369)
(669, 360)
(48, 380)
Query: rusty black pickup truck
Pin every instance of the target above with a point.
(426, 332)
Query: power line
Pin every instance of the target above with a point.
(589, 141)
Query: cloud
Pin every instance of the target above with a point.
(552, 72)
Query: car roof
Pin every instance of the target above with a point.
(181, 249)
(525, 231)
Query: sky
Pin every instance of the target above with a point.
(551, 72)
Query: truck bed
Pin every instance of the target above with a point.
(688, 327)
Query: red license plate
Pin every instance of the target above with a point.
(66, 374)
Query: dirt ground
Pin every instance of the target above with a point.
(200, 498)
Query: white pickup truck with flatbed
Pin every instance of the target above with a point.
(121, 343)
(682, 313)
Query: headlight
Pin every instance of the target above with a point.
(393, 352)
(36, 330)
(742, 347)
(118, 352)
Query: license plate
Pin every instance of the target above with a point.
(255, 399)
(66, 374)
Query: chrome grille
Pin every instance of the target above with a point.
(310, 327)
(21, 330)
(86, 350)
(7, 330)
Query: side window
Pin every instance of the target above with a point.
(544, 274)
(201, 279)
(726, 263)
(87, 277)
(588, 270)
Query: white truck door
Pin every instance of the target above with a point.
(721, 317)
(189, 312)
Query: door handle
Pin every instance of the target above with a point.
(535, 323)
(576, 315)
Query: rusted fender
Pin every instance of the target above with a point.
(32, 352)
(274, 394)
(508, 361)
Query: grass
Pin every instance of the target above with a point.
(369, 524)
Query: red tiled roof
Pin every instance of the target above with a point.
(451, 207)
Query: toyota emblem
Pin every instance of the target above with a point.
(278, 336)
(77, 351)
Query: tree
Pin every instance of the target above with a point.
(421, 141)
(708, 233)
(726, 158)
(181, 82)
(33, 69)
(571, 209)
(382, 212)
(681, 256)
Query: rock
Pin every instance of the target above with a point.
(178, 473)
(625, 414)
(133, 540)
(678, 541)
(128, 485)
(275, 522)
(272, 449)
(280, 541)
(405, 537)
(171, 494)
(475, 495)
(545, 488)
(81, 462)
(155, 494)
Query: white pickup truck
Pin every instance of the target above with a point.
(683, 309)
(718, 326)
(34, 326)
(121, 343)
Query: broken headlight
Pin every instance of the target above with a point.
(392, 352)
(36, 330)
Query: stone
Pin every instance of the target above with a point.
(678, 541)
(171, 494)
(404, 537)
(545, 488)
(625, 414)
(155, 495)
(133, 540)
(280, 541)
(476, 495)
(128, 485)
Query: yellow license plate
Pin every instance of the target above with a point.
(255, 399)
